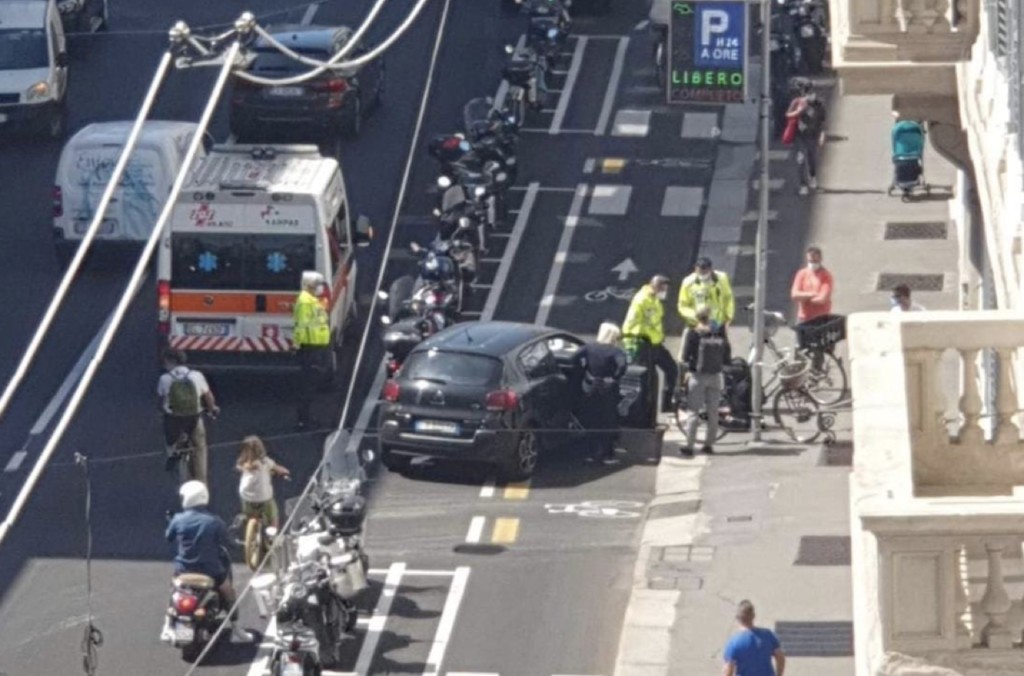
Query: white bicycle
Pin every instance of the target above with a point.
(604, 294)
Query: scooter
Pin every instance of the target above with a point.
(194, 613)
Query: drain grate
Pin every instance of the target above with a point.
(916, 282)
(816, 639)
(916, 230)
(837, 454)
(823, 550)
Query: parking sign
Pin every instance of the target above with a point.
(707, 52)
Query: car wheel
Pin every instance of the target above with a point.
(353, 121)
(523, 462)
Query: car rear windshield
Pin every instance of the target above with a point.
(236, 261)
(23, 48)
(269, 60)
(456, 368)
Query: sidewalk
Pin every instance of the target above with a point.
(770, 521)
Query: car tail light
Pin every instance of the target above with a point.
(58, 202)
(393, 366)
(502, 400)
(391, 391)
(185, 603)
(163, 292)
(334, 86)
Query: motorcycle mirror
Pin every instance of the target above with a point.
(444, 182)
(436, 212)
(385, 320)
(383, 295)
(509, 49)
(367, 456)
(415, 246)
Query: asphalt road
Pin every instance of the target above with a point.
(528, 579)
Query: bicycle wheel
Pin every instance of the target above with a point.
(796, 411)
(827, 380)
(253, 550)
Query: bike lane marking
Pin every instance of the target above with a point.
(506, 530)
(517, 491)
(613, 86)
(476, 529)
(570, 82)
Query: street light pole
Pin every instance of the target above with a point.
(761, 243)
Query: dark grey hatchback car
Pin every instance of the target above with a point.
(481, 392)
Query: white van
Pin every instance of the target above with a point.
(249, 221)
(84, 170)
(33, 67)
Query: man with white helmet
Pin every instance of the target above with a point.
(201, 538)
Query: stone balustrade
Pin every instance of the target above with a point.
(937, 508)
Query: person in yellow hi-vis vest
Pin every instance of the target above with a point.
(312, 339)
(643, 329)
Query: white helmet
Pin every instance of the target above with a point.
(194, 494)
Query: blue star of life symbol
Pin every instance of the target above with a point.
(277, 261)
(207, 261)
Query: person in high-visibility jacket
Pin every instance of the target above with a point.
(644, 329)
(709, 288)
(311, 337)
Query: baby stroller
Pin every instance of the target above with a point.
(908, 158)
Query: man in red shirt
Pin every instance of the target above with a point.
(812, 291)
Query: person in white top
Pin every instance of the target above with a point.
(183, 394)
(255, 488)
(901, 301)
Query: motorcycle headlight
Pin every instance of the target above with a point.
(464, 222)
(444, 182)
(552, 33)
(479, 191)
(39, 90)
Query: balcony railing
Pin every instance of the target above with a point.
(937, 493)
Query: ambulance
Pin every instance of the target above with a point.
(248, 222)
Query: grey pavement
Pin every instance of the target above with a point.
(769, 521)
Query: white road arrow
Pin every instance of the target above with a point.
(625, 269)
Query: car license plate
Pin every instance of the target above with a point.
(107, 227)
(184, 633)
(206, 329)
(292, 669)
(437, 427)
(285, 91)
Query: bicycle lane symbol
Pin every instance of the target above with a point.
(599, 509)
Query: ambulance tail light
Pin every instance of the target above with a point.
(163, 292)
(58, 201)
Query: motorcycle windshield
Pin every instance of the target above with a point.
(476, 115)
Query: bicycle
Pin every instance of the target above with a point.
(182, 454)
(793, 408)
(601, 295)
(827, 379)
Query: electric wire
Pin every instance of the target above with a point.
(138, 275)
(90, 234)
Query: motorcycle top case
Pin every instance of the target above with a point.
(348, 577)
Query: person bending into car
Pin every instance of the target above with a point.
(601, 364)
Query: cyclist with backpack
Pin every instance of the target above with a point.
(183, 394)
(705, 354)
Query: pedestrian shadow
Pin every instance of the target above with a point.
(403, 606)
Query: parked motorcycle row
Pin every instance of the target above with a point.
(320, 571)
(476, 168)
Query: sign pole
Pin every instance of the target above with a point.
(761, 243)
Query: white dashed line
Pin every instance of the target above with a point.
(570, 82)
(505, 266)
(307, 18)
(476, 529)
(613, 87)
(548, 299)
(487, 490)
(447, 623)
(379, 618)
(15, 461)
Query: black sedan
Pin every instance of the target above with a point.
(481, 392)
(334, 102)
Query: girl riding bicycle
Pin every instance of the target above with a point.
(255, 488)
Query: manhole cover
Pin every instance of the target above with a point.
(916, 230)
(823, 550)
(838, 454)
(816, 639)
(916, 282)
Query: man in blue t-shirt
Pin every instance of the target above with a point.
(749, 651)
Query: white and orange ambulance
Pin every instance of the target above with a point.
(248, 222)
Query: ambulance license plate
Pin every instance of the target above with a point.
(207, 329)
(107, 227)
(285, 91)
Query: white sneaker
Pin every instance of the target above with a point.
(239, 635)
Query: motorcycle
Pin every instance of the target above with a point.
(550, 25)
(525, 72)
(194, 613)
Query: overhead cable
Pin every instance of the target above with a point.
(138, 275)
(90, 233)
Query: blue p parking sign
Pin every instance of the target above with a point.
(719, 35)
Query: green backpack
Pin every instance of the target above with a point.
(183, 396)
